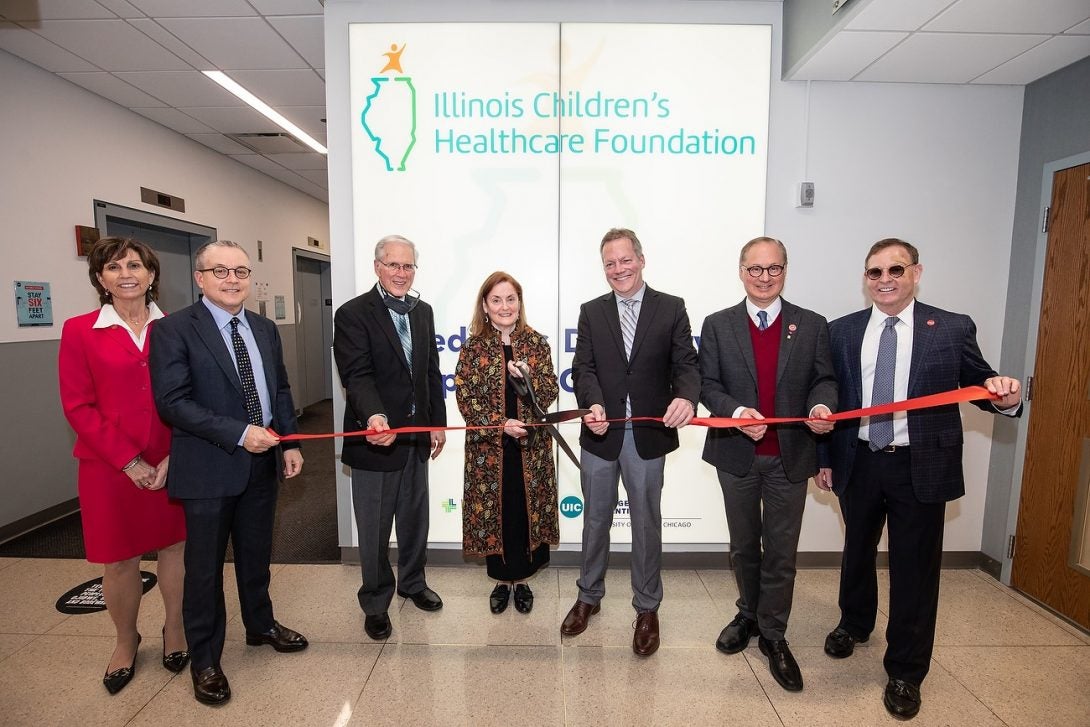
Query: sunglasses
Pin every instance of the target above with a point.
(895, 271)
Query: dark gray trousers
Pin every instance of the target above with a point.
(764, 515)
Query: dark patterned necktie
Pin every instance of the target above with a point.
(401, 323)
(763, 325)
(881, 426)
(246, 373)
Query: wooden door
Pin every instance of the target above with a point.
(1053, 527)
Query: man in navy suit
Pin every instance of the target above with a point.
(899, 469)
(634, 357)
(218, 375)
(765, 357)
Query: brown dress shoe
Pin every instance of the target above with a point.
(645, 641)
(575, 622)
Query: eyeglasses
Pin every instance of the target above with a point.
(755, 271)
(398, 267)
(895, 271)
(222, 272)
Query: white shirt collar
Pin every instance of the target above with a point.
(108, 316)
(773, 310)
(878, 318)
(637, 296)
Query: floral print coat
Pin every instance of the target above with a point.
(480, 380)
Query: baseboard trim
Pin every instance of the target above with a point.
(38, 519)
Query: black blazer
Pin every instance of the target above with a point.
(376, 380)
(663, 367)
(199, 394)
(945, 356)
(804, 379)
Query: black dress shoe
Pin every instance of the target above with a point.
(782, 664)
(840, 644)
(735, 636)
(501, 595)
(902, 699)
(116, 680)
(175, 661)
(524, 598)
(279, 637)
(425, 599)
(210, 686)
(378, 626)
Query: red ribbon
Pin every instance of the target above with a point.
(968, 393)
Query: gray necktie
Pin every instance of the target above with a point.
(881, 426)
(246, 374)
(401, 323)
(764, 320)
(628, 324)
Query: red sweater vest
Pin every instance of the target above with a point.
(766, 352)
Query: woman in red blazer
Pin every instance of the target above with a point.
(122, 447)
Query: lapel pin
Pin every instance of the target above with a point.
(930, 321)
(791, 328)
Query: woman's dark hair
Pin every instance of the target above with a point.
(108, 249)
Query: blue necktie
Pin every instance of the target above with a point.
(763, 320)
(246, 374)
(881, 426)
(401, 323)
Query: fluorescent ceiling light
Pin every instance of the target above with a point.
(265, 110)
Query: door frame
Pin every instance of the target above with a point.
(102, 209)
(1014, 503)
(297, 253)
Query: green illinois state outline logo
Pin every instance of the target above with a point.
(389, 116)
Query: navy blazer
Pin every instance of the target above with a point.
(198, 392)
(377, 380)
(945, 356)
(663, 367)
(804, 379)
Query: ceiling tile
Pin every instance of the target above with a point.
(182, 88)
(846, 54)
(112, 45)
(156, 32)
(235, 43)
(307, 118)
(306, 34)
(1041, 60)
(237, 120)
(194, 8)
(32, 47)
(319, 177)
(896, 14)
(288, 7)
(320, 72)
(1081, 28)
(310, 161)
(258, 162)
(1011, 16)
(31, 10)
(220, 143)
(113, 88)
(283, 88)
(175, 119)
(947, 57)
(123, 8)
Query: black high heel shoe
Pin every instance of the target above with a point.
(176, 660)
(116, 680)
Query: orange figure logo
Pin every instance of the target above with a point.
(393, 59)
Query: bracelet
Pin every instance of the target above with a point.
(132, 463)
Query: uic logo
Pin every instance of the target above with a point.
(571, 506)
(449, 505)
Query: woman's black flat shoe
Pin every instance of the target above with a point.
(499, 599)
(176, 660)
(116, 680)
(524, 598)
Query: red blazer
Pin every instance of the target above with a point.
(105, 387)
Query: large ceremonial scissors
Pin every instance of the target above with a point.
(524, 388)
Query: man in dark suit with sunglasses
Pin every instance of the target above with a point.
(384, 345)
(899, 469)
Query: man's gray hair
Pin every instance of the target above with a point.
(199, 257)
(380, 248)
(758, 241)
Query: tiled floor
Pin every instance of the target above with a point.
(999, 660)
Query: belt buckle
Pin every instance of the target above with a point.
(892, 448)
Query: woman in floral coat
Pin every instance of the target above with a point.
(509, 511)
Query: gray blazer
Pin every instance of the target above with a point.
(804, 379)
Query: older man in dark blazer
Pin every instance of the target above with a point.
(899, 469)
(217, 371)
(634, 357)
(384, 345)
(761, 358)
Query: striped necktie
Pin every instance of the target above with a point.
(628, 324)
(401, 323)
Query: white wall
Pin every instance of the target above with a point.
(63, 146)
(933, 164)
